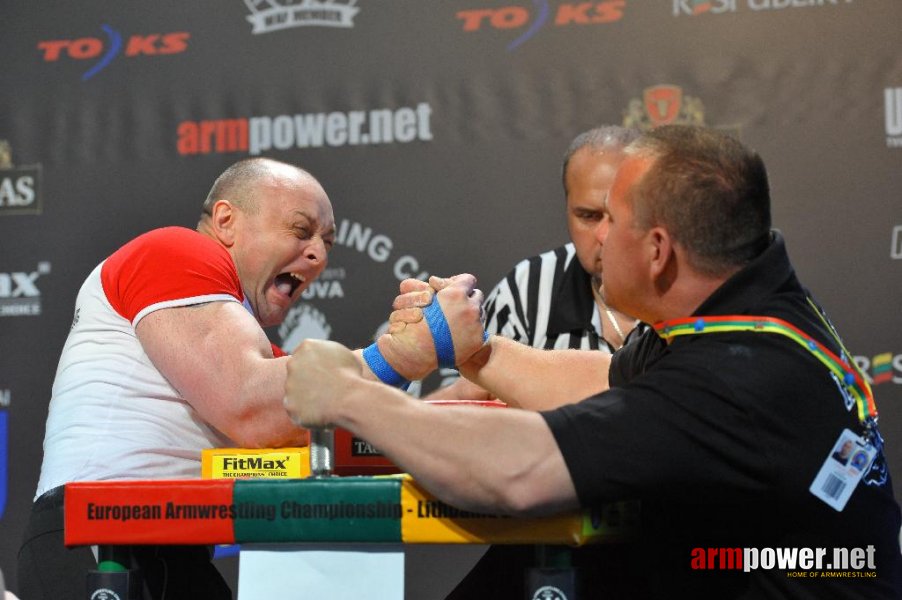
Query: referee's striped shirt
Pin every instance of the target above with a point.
(546, 302)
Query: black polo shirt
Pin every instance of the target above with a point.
(720, 437)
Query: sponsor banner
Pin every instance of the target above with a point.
(667, 104)
(143, 512)
(231, 463)
(353, 509)
(885, 367)
(663, 104)
(526, 20)
(100, 52)
(256, 135)
(802, 563)
(19, 292)
(429, 520)
(717, 7)
(275, 15)
(20, 187)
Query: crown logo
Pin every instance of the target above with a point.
(663, 105)
(274, 15)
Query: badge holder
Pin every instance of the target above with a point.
(848, 461)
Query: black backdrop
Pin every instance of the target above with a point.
(437, 129)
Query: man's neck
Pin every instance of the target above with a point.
(686, 294)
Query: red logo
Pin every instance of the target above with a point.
(662, 103)
(518, 17)
(86, 48)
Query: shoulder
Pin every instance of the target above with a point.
(169, 249)
(166, 266)
(644, 349)
(173, 241)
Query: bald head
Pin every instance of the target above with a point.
(240, 183)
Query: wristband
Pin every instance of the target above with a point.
(441, 334)
(384, 371)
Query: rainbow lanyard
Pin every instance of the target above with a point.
(845, 370)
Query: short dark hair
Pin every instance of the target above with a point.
(606, 137)
(708, 190)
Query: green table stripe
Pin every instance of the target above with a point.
(359, 509)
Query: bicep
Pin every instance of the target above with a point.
(204, 351)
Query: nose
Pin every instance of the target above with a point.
(601, 230)
(315, 252)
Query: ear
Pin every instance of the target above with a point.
(662, 257)
(222, 222)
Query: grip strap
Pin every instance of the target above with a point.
(441, 338)
(384, 371)
(441, 334)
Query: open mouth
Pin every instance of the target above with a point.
(288, 283)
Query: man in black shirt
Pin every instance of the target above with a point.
(721, 421)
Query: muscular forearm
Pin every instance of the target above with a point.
(493, 460)
(537, 379)
(259, 419)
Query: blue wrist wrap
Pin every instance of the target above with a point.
(441, 334)
(384, 371)
(441, 338)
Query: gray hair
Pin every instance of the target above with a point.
(606, 137)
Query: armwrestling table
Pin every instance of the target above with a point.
(316, 537)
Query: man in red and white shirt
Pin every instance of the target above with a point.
(167, 355)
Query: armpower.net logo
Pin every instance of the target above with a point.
(254, 135)
(801, 563)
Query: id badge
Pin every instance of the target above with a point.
(848, 461)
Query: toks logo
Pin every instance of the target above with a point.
(88, 48)
(518, 17)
